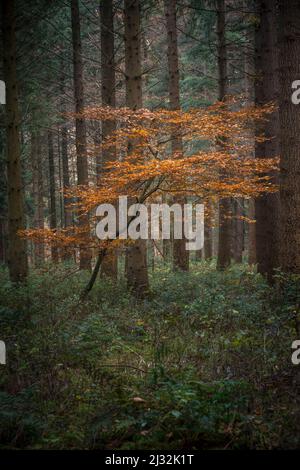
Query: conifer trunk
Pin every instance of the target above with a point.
(225, 223)
(289, 70)
(136, 259)
(17, 257)
(64, 153)
(108, 84)
(52, 193)
(180, 254)
(37, 189)
(266, 90)
(81, 146)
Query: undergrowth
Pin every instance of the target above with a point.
(203, 363)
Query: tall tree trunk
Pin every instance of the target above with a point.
(17, 261)
(180, 254)
(108, 84)
(289, 70)
(37, 188)
(64, 153)
(81, 147)
(52, 193)
(266, 90)
(249, 97)
(136, 259)
(225, 223)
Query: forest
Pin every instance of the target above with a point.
(173, 322)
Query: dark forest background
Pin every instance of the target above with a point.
(169, 349)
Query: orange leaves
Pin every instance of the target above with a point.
(145, 165)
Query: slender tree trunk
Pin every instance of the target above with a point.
(52, 193)
(251, 233)
(40, 195)
(266, 90)
(238, 230)
(108, 84)
(64, 154)
(136, 259)
(208, 235)
(37, 187)
(249, 96)
(289, 70)
(225, 223)
(180, 254)
(81, 146)
(17, 257)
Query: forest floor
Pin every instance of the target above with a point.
(204, 363)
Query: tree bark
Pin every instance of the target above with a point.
(17, 257)
(64, 153)
(238, 230)
(266, 90)
(52, 193)
(81, 146)
(208, 235)
(289, 70)
(249, 97)
(108, 84)
(225, 223)
(180, 254)
(37, 189)
(136, 259)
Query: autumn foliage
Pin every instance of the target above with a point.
(145, 167)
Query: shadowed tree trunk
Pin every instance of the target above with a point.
(180, 254)
(225, 223)
(108, 84)
(208, 235)
(238, 230)
(249, 96)
(81, 147)
(136, 259)
(17, 257)
(64, 153)
(52, 200)
(266, 90)
(37, 183)
(289, 70)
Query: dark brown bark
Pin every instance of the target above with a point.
(67, 222)
(238, 230)
(108, 84)
(251, 233)
(225, 223)
(37, 189)
(52, 193)
(17, 257)
(250, 236)
(81, 146)
(266, 90)
(289, 70)
(180, 254)
(136, 259)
